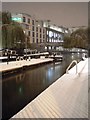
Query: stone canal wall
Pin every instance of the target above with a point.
(14, 66)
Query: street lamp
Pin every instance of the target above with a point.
(25, 43)
(26, 47)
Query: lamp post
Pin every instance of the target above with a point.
(26, 48)
(25, 43)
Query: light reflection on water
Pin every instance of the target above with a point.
(20, 89)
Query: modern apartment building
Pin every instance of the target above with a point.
(30, 25)
(42, 34)
(54, 36)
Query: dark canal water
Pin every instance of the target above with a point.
(20, 89)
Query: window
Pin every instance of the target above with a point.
(24, 19)
(40, 40)
(50, 33)
(49, 47)
(28, 33)
(28, 20)
(33, 28)
(37, 41)
(33, 40)
(49, 40)
(47, 32)
(37, 34)
(27, 26)
(33, 34)
(40, 35)
(36, 29)
(40, 30)
(45, 47)
(56, 40)
(54, 35)
(52, 47)
(60, 38)
(32, 22)
(47, 36)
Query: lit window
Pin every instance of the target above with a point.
(66, 31)
(49, 47)
(47, 32)
(52, 47)
(49, 40)
(56, 41)
(38, 25)
(44, 25)
(45, 48)
(50, 33)
(57, 48)
(54, 35)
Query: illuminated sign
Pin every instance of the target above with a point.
(17, 19)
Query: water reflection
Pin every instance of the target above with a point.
(20, 89)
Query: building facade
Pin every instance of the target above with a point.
(54, 37)
(42, 34)
(30, 26)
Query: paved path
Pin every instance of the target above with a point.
(65, 98)
(18, 64)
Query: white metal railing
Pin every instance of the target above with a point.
(74, 61)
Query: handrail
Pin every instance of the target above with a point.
(74, 61)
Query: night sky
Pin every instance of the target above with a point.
(67, 14)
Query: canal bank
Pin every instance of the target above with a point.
(65, 98)
(19, 89)
(15, 66)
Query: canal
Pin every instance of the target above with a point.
(20, 89)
